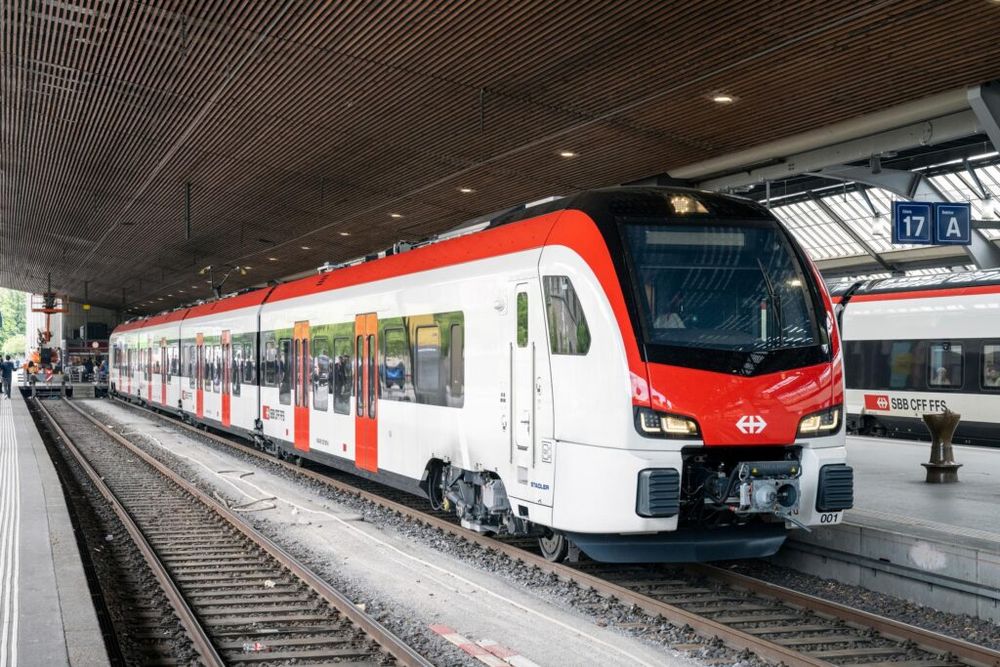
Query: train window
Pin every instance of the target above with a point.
(216, 368)
(456, 358)
(371, 376)
(522, 319)
(235, 351)
(396, 375)
(359, 374)
(270, 364)
(321, 370)
(304, 367)
(945, 367)
(342, 372)
(427, 363)
(284, 371)
(248, 364)
(568, 330)
(991, 367)
(189, 361)
(200, 365)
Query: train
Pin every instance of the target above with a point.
(915, 345)
(634, 374)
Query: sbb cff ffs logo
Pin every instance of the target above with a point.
(751, 424)
(877, 402)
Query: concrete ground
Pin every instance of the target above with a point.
(889, 486)
(47, 616)
(427, 585)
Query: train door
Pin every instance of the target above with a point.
(366, 392)
(163, 371)
(227, 369)
(199, 371)
(301, 376)
(149, 372)
(532, 423)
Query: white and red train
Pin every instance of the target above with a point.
(919, 344)
(647, 374)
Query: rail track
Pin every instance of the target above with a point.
(777, 624)
(239, 597)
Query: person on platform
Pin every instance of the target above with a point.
(7, 372)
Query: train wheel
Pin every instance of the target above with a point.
(554, 546)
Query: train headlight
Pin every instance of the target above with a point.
(824, 422)
(654, 424)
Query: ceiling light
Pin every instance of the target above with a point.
(345, 233)
(194, 287)
(180, 291)
(395, 215)
(305, 247)
(466, 191)
(567, 154)
(723, 98)
(272, 259)
(170, 295)
(159, 298)
(247, 267)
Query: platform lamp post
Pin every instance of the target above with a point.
(942, 468)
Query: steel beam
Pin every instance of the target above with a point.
(985, 103)
(854, 235)
(912, 185)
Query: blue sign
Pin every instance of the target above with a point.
(912, 222)
(953, 224)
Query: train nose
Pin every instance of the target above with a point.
(737, 410)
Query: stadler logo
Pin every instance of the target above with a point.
(751, 424)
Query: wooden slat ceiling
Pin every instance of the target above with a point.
(306, 123)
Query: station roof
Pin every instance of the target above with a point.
(307, 131)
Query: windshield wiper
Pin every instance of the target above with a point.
(775, 303)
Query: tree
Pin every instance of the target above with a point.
(12, 310)
(14, 346)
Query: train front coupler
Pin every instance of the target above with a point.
(762, 488)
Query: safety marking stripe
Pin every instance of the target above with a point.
(511, 656)
(485, 651)
(10, 519)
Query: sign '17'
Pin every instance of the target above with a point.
(927, 223)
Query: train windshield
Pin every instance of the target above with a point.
(733, 287)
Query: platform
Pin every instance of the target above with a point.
(46, 613)
(934, 544)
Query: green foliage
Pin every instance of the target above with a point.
(14, 346)
(12, 310)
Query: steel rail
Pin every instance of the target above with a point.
(972, 654)
(980, 656)
(399, 650)
(202, 644)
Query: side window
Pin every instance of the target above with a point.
(284, 371)
(270, 364)
(945, 368)
(522, 319)
(321, 370)
(342, 375)
(235, 363)
(456, 383)
(189, 361)
(568, 330)
(991, 367)
(359, 360)
(395, 373)
(249, 362)
(427, 364)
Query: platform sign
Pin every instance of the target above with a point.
(953, 224)
(912, 222)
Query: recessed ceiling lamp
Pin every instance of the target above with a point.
(567, 154)
(272, 259)
(305, 247)
(159, 298)
(396, 215)
(180, 291)
(345, 233)
(723, 98)
(466, 191)
(247, 267)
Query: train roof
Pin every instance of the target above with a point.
(904, 284)
(602, 205)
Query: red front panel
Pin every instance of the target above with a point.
(738, 410)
